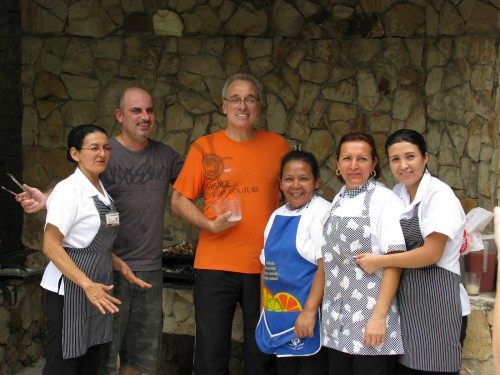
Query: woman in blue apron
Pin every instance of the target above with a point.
(429, 294)
(292, 277)
(360, 319)
(80, 229)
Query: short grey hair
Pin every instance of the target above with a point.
(242, 77)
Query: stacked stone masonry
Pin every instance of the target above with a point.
(22, 326)
(327, 66)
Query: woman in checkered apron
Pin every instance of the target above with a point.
(360, 319)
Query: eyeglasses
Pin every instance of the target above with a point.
(97, 149)
(236, 101)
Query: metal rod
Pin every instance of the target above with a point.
(10, 191)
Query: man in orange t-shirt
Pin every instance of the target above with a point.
(238, 162)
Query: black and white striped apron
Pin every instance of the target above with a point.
(83, 324)
(431, 314)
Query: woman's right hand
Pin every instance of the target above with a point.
(34, 203)
(304, 324)
(98, 296)
(375, 330)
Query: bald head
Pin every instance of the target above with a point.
(136, 114)
(130, 91)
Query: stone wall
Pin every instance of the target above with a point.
(477, 355)
(22, 326)
(327, 66)
(22, 332)
(178, 326)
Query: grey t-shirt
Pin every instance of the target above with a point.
(138, 182)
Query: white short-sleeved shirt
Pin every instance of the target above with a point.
(439, 211)
(72, 210)
(310, 230)
(364, 219)
(385, 208)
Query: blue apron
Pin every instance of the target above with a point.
(287, 282)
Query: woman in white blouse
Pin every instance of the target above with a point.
(292, 275)
(360, 319)
(429, 293)
(80, 228)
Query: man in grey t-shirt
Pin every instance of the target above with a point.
(137, 178)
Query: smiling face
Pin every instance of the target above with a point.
(93, 156)
(241, 115)
(137, 117)
(355, 163)
(298, 183)
(407, 164)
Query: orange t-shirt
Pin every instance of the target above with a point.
(218, 167)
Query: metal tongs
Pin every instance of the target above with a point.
(18, 184)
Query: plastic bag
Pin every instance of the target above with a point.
(476, 220)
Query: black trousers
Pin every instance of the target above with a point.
(340, 363)
(463, 331)
(403, 370)
(316, 364)
(54, 363)
(216, 294)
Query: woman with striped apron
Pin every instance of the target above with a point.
(80, 229)
(429, 292)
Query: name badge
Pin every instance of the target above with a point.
(112, 219)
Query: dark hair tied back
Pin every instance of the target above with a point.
(406, 135)
(303, 156)
(77, 136)
(360, 137)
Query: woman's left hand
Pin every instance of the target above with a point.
(368, 262)
(98, 295)
(130, 276)
(304, 324)
(375, 331)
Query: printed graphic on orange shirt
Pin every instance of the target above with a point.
(213, 166)
(280, 302)
(221, 178)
